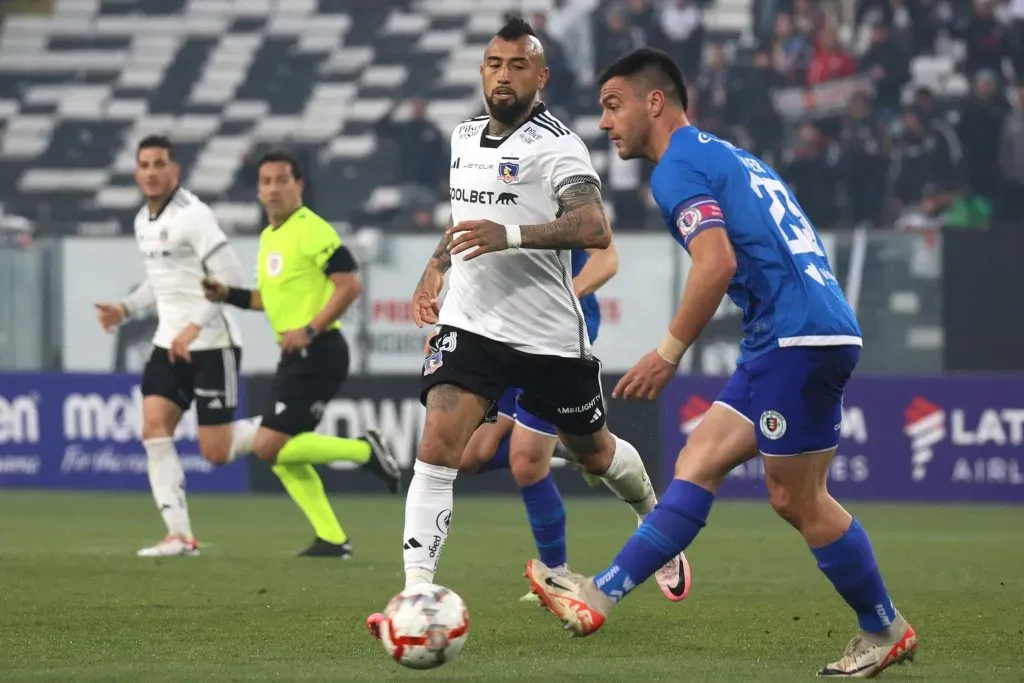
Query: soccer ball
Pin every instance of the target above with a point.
(424, 626)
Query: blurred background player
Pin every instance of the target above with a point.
(306, 280)
(511, 318)
(197, 346)
(748, 237)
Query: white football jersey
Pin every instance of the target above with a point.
(175, 244)
(520, 297)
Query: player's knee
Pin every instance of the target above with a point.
(265, 447)
(593, 451)
(441, 450)
(528, 467)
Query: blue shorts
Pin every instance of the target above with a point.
(508, 405)
(793, 396)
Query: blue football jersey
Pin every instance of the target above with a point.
(783, 280)
(591, 309)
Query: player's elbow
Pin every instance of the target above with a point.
(349, 284)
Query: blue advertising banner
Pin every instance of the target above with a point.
(936, 439)
(82, 431)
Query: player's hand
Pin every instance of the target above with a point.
(646, 379)
(425, 308)
(110, 315)
(485, 236)
(179, 347)
(294, 341)
(426, 344)
(213, 290)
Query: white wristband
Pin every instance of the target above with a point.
(514, 236)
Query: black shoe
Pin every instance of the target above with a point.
(322, 548)
(382, 462)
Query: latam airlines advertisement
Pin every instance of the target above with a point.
(83, 431)
(933, 439)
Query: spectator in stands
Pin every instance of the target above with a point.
(423, 169)
(641, 13)
(1011, 159)
(830, 61)
(791, 51)
(715, 86)
(984, 36)
(811, 172)
(922, 155)
(683, 25)
(754, 109)
(980, 129)
(888, 66)
(864, 163)
(616, 36)
(569, 23)
(560, 86)
(807, 18)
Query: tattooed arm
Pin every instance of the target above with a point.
(582, 221)
(425, 307)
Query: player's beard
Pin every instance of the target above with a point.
(509, 113)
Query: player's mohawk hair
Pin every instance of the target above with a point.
(515, 28)
(656, 68)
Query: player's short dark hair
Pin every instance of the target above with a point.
(156, 142)
(284, 157)
(515, 28)
(656, 68)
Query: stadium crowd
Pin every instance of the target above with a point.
(824, 92)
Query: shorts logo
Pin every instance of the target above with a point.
(275, 263)
(688, 221)
(508, 172)
(317, 409)
(773, 425)
(446, 342)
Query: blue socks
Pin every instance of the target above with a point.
(546, 514)
(500, 459)
(849, 563)
(679, 516)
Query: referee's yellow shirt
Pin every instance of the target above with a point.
(290, 270)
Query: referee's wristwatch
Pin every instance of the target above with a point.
(310, 332)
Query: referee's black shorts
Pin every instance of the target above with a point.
(305, 382)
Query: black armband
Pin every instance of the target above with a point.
(239, 297)
(341, 261)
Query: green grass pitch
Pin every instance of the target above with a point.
(77, 605)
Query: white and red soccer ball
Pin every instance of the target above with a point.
(425, 626)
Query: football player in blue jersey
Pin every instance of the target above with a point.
(748, 238)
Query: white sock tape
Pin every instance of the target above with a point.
(514, 236)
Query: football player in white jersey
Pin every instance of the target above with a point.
(524, 194)
(197, 346)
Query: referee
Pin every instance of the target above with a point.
(306, 280)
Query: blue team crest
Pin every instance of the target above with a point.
(508, 172)
(432, 363)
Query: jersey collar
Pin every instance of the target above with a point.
(490, 143)
(163, 207)
(287, 220)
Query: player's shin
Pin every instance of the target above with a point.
(305, 487)
(667, 531)
(428, 512)
(627, 478)
(546, 513)
(317, 449)
(849, 563)
(167, 480)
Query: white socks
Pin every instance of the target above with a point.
(243, 433)
(428, 512)
(167, 480)
(627, 478)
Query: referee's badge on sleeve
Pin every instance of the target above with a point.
(275, 263)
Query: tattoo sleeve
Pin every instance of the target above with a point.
(441, 259)
(581, 220)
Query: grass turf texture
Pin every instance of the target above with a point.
(76, 604)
